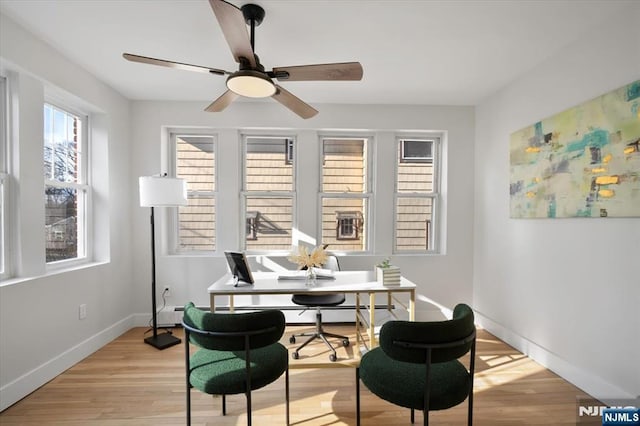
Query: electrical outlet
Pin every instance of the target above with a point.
(82, 311)
(167, 291)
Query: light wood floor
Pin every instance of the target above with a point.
(130, 383)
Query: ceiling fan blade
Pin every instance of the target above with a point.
(337, 71)
(222, 102)
(294, 103)
(234, 28)
(171, 64)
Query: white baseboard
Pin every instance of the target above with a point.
(587, 381)
(22, 386)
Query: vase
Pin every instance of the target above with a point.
(311, 277)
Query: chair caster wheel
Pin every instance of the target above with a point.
(345, 342)
(295, 355)
(333, 358)
(292, 339)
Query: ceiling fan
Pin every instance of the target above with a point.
(251, 79)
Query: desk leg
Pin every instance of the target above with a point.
(212, 302)
(412, 306)
(358, 324)
(372, 319)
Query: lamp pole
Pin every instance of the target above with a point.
(164, 340)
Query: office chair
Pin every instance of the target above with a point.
(319, 301)
(238, 353)
(416, 365)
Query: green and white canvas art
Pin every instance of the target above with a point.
(582, 162)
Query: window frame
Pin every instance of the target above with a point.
(368, 196)
(433, 234)
(174, 216)
(84, 220)
(5, 182)
(290, 150)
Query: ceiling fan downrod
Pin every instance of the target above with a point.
(253, 16)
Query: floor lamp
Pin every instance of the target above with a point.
(160, 191)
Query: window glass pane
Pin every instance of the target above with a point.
(195, 162)
(61, 145)
(414, 176)
(413, 223)
(61, 223)
(416, 150)
(270, 219)
(343, 221)
(198, 224)
(269, 165)
(344, 165)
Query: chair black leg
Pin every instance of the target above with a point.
(188, 383)
(249, 408)
(357, 396)
(413, 416)
(470, 414)
(224, 405)
(188, 406)
(286, 391)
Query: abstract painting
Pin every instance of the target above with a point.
(583, 162)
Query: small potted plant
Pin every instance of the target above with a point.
(387, 274)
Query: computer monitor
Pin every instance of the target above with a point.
(239, 267)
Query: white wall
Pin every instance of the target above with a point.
(445, 279)
(40, 333)
(565, 291)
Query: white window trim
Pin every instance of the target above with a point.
(173, 222)
(435, 196)
(85, 245)
(5, 179)
(368, 228)
(291, 139)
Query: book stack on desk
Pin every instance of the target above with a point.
(389, 275)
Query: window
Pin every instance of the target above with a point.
(345, 193)
(416, 194)
(196, 163)
(349, 225)
(268, 192)
(416, 151)
(4, 179)
(66, 184)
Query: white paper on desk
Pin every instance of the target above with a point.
(321, 274)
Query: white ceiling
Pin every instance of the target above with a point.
(413, 52)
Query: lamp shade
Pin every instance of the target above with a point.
(162, 191)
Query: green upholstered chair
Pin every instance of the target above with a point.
(417, 364)
(238, 353)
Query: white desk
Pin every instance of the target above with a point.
(348, 282)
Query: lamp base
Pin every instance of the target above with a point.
(162, 341)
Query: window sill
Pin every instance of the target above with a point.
(57, 271)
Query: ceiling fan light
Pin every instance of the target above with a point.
(252, 84)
